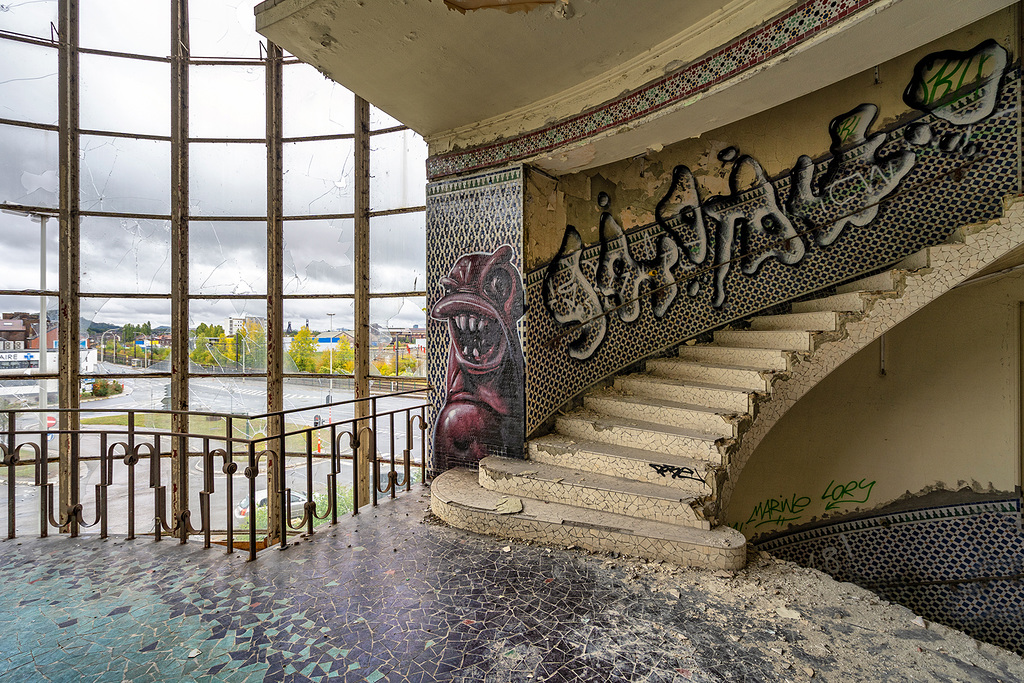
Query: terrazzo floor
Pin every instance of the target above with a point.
(382, 597)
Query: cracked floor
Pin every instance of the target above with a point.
(387, 597)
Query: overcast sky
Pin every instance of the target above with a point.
(119, 174)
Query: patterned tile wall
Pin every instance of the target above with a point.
(942, 192)
(772, 39)
(475, 214)
(959, 565)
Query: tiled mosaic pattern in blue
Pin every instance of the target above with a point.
(960, 565)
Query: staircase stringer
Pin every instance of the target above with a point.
(949, 266)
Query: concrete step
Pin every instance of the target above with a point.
(662, 411)
(587, 426)
(590, 490)
(816, 321)
(731, 399)
(851, 302)
(457, 497)
(710, 373)
(695, 477)
(921, 259)
(786, 340)
(882, 282)
(766, 359)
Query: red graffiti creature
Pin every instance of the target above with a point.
(483, 409)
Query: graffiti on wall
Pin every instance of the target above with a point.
(780, 511)
(481, 302)
(703, 240)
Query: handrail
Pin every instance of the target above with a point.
(214, 459)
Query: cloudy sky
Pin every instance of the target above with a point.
(227, 179)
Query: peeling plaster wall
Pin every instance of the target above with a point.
(924, 194)
(943, 417)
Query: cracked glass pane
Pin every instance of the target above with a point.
(125, 255)
(310, 325)
(28, 82)
(318, 177)
(20, 336)
(314, 104)
(228, 179)
(228, 336)
(135, 334)
(318, 256)
(22, 266)
(398, 253)
(124, 95)
(227, 258)
(223, 28)
(29, 17)
(28, 174)
(138, 27)
(398, 177)
(125, 175)
(227, 101)
(380, 119)
(398, 328)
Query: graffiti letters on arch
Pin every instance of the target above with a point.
(703, 239)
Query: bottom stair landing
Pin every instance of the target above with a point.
(458, 498)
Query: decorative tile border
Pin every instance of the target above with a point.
(773, 38)
(958, 565)
(469, 215)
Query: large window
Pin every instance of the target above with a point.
(169, 144)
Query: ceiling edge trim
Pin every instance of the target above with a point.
(737, 18)
(774, 38)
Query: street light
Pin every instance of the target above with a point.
(330, 361)
(103, 344)
(44, 331)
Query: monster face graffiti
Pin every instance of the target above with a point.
(483, 413)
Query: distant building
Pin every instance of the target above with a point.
(236, 325)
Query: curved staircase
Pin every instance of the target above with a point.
(643, 466)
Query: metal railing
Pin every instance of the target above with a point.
(112, 472)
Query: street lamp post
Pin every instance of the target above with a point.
(44, 331)
(330, 362)
(103, 347)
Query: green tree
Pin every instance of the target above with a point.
(303, 351)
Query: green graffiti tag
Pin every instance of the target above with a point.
(843, 494)
(948, 77)
(778, 511)
(848, 128)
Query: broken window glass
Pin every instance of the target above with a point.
(380, 119)
(29, 18)
(125, 255)
(124, 95)
(310, 325)
(228, 179)
(21, 236)
(318, 177)
(125, 175)
(227, 257)
(223, 28)
(318, 256)
(398, 253)
(397, 161)
(228, 336)
(314, 104)
(398, 336)
(28, 82)
(227, 101)
(135, 334)
(138, 27)
(28, 174)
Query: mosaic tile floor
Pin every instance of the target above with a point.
(386, 597)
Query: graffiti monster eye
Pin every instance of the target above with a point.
(498, 286)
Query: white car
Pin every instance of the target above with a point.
(242, 510)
